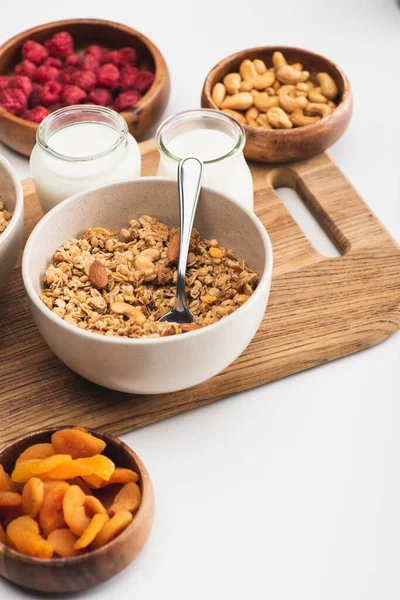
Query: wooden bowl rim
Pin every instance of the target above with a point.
(60, 561)
(342, 107)
(144, 102)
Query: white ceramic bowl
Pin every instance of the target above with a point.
(155, 365)
(11, 239)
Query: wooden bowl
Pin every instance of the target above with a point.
(287, 145)
(87, 570)
(20, 135)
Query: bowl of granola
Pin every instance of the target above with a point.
(11, 218)
(100, 270)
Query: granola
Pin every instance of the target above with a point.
(121, 285)
(5, 217)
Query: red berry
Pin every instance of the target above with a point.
(73, 60)
(55, 106)
(144, 81)
(126, 100)
(84, 79)
(129, 55)
(25, 67)
(66, 74)
(13, 100)
(53, 62)
(116, 58)
(36, 114)
(44, 74)
(51, 92)
(101, 96)
(35, 99)
(60, 45)
(128, 77)
(4, 81)
(90, 62)
(22, 83)
(99, 52)
(72, 94)
(108, 76)
(34, 52)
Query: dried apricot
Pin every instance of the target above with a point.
(51, 512)
(10, 499)
(93, 505)
(23, 470)
(94, 481)
(38, 466)
(112, 528)
(32, 497)
(77, 443)
(74, 510)
(2, 535)
(6, 484)
(49, 485)
(126, 499)
(62, 541)
(23, 534)
(122, 475)
(98, 465)
(95, 526)
(82, 484)
(39, 451)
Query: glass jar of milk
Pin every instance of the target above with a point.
(217, 139)
(81, 147)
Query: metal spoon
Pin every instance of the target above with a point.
(190, 171)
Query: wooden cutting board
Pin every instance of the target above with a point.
(320, 309)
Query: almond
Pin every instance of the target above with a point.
(173, 249)
(185, 327)
(98, 275)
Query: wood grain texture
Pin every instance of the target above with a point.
(20, 135)
(284, 145)
(87, 570)
(319, 309)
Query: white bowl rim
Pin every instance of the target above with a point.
(264, 280)
(19, 200)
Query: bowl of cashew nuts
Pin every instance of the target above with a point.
(292, 103)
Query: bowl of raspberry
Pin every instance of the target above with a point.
(79, 61)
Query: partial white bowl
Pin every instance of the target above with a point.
(11, 239)
(155, 365)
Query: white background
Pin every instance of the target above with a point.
(292, 490)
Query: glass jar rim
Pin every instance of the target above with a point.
(120, 126)
(209, 113)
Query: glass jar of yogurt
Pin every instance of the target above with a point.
(217, 139)
(81, 147)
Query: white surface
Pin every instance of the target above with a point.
(292, 490)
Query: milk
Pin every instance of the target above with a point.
(79, 164)
(229, 174)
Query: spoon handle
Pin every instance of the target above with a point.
(190, 172)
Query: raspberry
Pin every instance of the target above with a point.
(72, 94)
(51, 92)
(13, 100)
(55, 106)
(144, 81)
(128, 77)
(36, 114)
(84, 79)
(44, 74)
(90, 62)
(22, 83)
(108, 76)
(73, 60)
(25, 67)
(4, 81)
(35, 99)
(60, 45)
(101, 96)
(66, 75)
(129, 55)
(34, 52)
(116, 58)
(99, 52)
(126, 100)
(53, 62)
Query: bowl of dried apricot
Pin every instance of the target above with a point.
(76, 507)
(292, 103)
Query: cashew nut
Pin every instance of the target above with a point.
(276, 85)
(133, 312)
(315, 95)
(302, 86)
(238, 116)
(286, 89)
(262, 121)
(263, 101)
(218, 94)
(286, 74)
(331, 104)
(254, 93)
(278, 118)
(290, 103)
(270, 91)
(240, 101)
(322, 110)
(260, 66)
(252, 123)
(252, 113)
(278, 60)
(299, 119)
(232, 83)
(249, 73)
(298, 66)
(328, 86)
(245, 86)
(144, 263)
